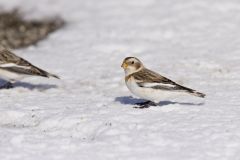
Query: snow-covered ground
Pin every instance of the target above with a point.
(89, 113)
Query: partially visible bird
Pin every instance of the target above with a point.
(14, 68)
(150, 85)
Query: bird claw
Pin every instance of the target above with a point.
(8, 85)
(146, 104)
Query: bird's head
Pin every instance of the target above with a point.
(131, 65)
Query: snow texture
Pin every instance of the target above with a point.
(89, 113)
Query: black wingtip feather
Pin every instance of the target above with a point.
(54, 76)
(193, 92)
(198, 94)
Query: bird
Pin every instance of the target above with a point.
(14, 68)
(150, 85)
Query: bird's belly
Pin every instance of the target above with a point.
(10, 76)
(148, 93)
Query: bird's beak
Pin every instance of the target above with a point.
(124, 65)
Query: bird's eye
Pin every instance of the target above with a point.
(132, 62)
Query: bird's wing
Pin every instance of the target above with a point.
(9, 59)
(11, 62)
(149, 79)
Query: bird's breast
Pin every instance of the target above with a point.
(136, 90)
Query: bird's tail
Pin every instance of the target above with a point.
(198, 94)
(43, 73)
(193, 92)
(52, 75)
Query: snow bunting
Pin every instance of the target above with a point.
(150, 85)
(14, 68)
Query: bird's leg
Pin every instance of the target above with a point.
(146, 104)
(7, 85)
(143, 103)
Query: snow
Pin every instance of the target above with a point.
(89, 113)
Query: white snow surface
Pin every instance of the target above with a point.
(89, 114)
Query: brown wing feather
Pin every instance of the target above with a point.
(7, 56)
(147, 76)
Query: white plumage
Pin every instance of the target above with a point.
(11, 76)
(148, 93)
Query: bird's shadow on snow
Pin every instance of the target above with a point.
(129, 100)
(41, 87)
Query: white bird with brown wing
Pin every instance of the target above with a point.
(150, 85)
(14, 68)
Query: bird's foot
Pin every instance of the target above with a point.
(146, 104)
(7, 85)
